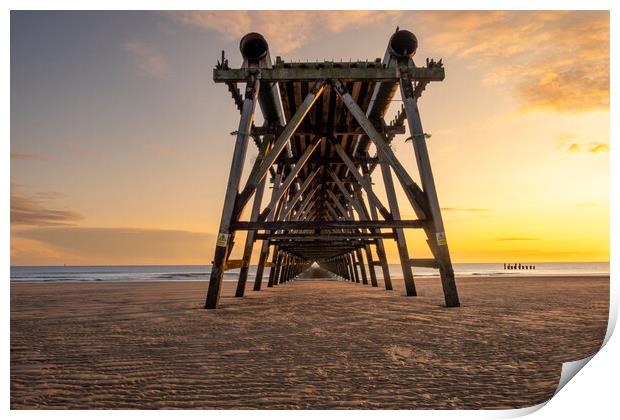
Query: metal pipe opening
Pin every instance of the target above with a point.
(253, 46)
(403, 44)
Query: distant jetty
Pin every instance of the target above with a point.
(519, 266)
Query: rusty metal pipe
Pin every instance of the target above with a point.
(255, 51)
(253, 47)
(403, 44)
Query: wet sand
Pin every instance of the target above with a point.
(313, 343)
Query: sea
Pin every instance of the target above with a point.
(153, 273)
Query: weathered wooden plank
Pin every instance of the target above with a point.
(308, 237)
(312, 73)
(331, 224)
(233, 264)
(324, 130)
(424, 262)
(279, 145)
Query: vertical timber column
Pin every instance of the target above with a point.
(439, 242)
(363, 214)
(360, 260)
(345, 268)
(264, 252)
(275, 265)
(224, 236)
(351, 261)
(249, 241)
(286, 269)
(371, 266)
(260, 269)
(399, 234)
(379, 245)
(355, 265)
(291, 270)
(283, 267)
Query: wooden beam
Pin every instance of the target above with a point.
(224, 239)
(337, 130)
(280, 144)
(414, 193)
(297, 196)
(360, 179)
(424, 262)
(437, 237)
(313, 71)
(289, 179)
(330, 224)
(233, 264)
(249, 240)
(401, 242)
(324, 236)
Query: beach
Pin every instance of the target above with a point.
(309, 344)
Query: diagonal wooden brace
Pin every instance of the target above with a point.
(414, 193)
(279, 145)
(360, 179)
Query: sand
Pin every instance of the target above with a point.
(308, 344)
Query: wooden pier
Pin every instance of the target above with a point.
(320, 119)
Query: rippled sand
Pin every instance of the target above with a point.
(307, 344)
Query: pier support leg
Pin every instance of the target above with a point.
(225, 236)
(275, 266)
(436, 235)
(371, 266)
(354, 267)
(387, 281)
(249, 241)
(260, 268)
(360, 260)
(399, 234)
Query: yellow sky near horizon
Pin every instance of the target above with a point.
(119, 154)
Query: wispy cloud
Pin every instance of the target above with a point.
(516, 238)
(49, 195)
(149, 61)
(28, 156)
(554, 59)
(572, 144)
(36, 211)
(286, 30)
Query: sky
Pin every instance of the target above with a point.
(121, 145)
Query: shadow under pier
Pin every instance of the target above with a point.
(316, 273)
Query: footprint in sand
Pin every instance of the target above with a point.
(317, 331)
(399, 354)
(406, 355)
